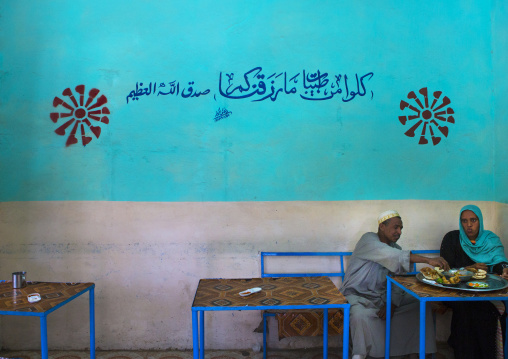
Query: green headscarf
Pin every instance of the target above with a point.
(488, 248)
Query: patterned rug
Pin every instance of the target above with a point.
(307, 323)
(209, 354)
(444, 352)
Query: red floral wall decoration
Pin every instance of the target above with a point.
(81, 110)
(430, 118)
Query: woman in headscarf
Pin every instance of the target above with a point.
(476, 326)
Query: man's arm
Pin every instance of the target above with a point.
(434, 262)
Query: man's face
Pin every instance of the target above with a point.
(470, 224)
(391, 230)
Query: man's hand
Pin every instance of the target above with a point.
(434, 262)
(382, 312)
(439, 262)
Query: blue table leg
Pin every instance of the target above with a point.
(91, 302)
(506, 331)
(264, 335)
(325, 333)
(44, 337)
(345, 334)
(195, 339)
(423, 305)
(388, 317)
(202, 334)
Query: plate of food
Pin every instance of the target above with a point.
(489, 282)
(477, 285)
(436, 274)
(463, 274)
(477, 273)
(430, 273)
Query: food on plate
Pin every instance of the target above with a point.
(455, 279)
(480, 274)
(445, 280)
(451, 277)
(461, 273)
(471, 269)
(478, 285)
(435, 274)
(429, 273)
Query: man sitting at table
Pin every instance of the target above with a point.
(364, 286)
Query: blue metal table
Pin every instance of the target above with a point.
(53, 296)
(276, 293)
(428, 293)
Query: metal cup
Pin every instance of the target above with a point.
(18, 280)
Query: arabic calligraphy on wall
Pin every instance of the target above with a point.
(80, 114)
(255, 84)
(221, 113)
(428, 116)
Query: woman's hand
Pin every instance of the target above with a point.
(505, 273)
(479, 266)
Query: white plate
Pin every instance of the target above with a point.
(249, 291)
(34, 298)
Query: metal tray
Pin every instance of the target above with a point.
(494, 282)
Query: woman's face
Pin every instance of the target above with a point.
(470, 224)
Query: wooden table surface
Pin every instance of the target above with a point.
(427, 290)
(274, 292)
(52, 294)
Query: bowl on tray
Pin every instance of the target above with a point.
(464, 275)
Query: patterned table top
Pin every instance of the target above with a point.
(52, 294)
(295, 291)
(427, 290)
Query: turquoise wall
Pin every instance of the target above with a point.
(285, 147)
(499, 103)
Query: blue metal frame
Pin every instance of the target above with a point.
(322, 254)
(44, 325)
(198, 329)
(340, 274)
(423, 302)
(304, 254)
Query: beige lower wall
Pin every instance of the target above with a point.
(146, 260)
